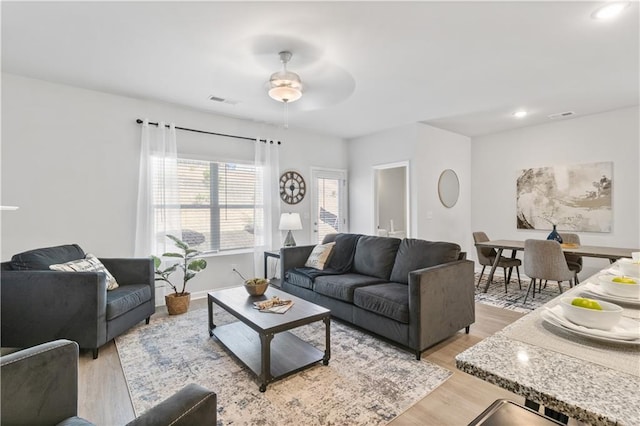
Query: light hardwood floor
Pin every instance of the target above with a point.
(104, 397)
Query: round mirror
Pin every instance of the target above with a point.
(448, 188)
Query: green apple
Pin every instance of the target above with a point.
(583, 302)
(624, 280)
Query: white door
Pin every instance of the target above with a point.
(328, 203)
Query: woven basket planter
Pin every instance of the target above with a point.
(177, 304)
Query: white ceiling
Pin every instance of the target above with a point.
(366, 66)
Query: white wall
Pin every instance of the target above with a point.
(429, 151)
(70, 162)
(439, 150)
(611, 136)
(391, 146)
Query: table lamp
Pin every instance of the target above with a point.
(290, 222)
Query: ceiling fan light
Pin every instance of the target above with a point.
(285, 93)
(284, 85)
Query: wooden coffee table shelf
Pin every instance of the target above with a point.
(261, 340)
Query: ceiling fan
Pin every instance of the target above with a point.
(245, 74)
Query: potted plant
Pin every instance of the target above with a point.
(178, 302)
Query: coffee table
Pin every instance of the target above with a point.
(261, 340)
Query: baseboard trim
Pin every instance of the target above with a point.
(202, 294)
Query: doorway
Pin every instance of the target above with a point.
(328, 203)
(391, 200)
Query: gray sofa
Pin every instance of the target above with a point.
(413, 292)
(40, 387)
(41, 305)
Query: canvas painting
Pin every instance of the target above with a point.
(573, 197)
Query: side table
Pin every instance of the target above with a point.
(275, 254)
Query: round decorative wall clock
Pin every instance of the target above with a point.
(292, 187)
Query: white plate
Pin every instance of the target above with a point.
(594, 289)
(585, 332)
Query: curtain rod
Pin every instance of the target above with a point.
(139, 121)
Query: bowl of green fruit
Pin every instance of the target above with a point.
(627, 287)
(591, 313)
(254, 286)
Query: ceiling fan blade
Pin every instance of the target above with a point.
(325, 85)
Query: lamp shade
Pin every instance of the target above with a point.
(290, 222)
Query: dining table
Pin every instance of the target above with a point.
(603, 252)
(571, 373)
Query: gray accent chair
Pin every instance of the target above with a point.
(544, 261)
(486, 257)
(40, 387)
(40, 305)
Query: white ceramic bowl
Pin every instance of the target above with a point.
(604, 320)
(629, 267)
(613, 288)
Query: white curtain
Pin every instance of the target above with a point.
(158, 196)
(267, 210)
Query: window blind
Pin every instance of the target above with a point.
(217, 204)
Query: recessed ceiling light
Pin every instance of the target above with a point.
(520, 114)
(610, 10)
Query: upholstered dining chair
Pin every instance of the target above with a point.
(544, 260)
(486, 257)
(573, 261)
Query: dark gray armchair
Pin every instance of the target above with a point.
(40, 305)
(40, 387)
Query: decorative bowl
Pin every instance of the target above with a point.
(629, 267)
(603, 319)
(629, 289)
(256, 286)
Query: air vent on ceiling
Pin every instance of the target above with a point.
(562, 115)
(222, 100)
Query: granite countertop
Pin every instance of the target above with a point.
(583, 390)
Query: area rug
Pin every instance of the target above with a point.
(513, 299)
(367, 381)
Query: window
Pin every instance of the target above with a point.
(217, 204)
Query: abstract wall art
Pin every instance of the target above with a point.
(573, 197)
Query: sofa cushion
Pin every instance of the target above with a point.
(389, 299)
(341, 259)
(319, 256)
(375, 256)
(298, 277)
(341, 287)
(416, 254)
(89, 264)
(330, 238)
(125, 298)
(40, 259)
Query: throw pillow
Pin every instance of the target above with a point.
(89, 264)
(319, 256)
